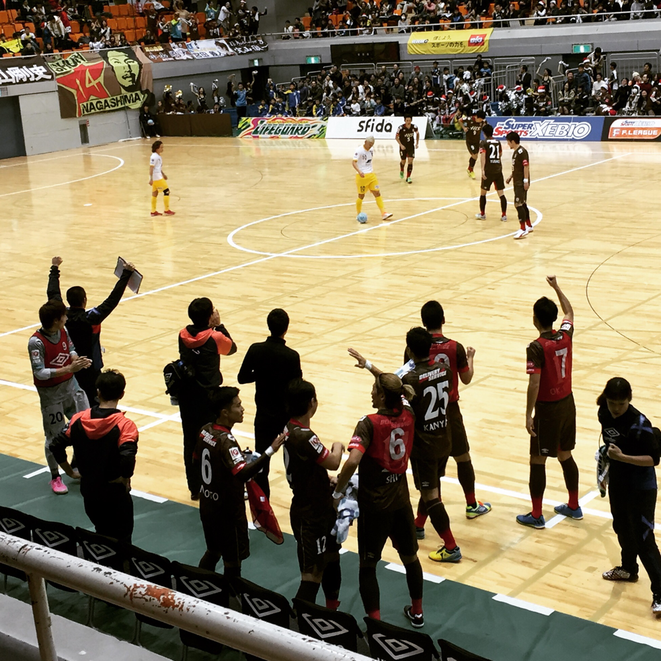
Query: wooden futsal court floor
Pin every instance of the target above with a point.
(264, 224)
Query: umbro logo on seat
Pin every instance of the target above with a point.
(397, 649)
(324, 628)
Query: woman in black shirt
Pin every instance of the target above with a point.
(633, 452)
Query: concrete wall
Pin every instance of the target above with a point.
(45, 131)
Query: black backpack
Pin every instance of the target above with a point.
(176, 374)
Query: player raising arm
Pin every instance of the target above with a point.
(553, 428)
(381, 445)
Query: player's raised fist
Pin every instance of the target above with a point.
(470, 352)
(56, 261)
(551, 279)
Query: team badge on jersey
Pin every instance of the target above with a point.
(236, 455)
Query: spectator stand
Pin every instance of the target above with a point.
(627, 63)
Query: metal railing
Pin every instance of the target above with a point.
(475, 24)
(222, 625)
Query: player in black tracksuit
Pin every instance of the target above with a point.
(105, 443)
(201, 344)
(84, 326)
(633, 452)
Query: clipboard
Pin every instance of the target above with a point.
(136, 277)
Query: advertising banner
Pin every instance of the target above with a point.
(565, 127)
(383, 128)
(31, 70)
(448, 42)
(632, 128)
(89, 82)
(282, 127)
(204, 49)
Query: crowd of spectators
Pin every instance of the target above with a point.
(443, 95)
(339, 18)
(56, 25)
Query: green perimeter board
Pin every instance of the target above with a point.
(464, 615)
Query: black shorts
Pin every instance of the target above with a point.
(496, 179)
(374, 529)
(313, 538)
(520, 195)
(473, 148)
(225, 535)
(457, 430)
(408, 152)
(428, 471)
(110, 508)
(555, 426)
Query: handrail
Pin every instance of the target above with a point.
(523, 21)
(222, 625)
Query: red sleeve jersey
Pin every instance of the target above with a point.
(551, 356)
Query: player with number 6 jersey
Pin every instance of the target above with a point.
(553, 428)
(224, 472)
(381, 445)
(431, 383)
(312, 515)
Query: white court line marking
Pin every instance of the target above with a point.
(230, 238)
(74, 181)
(432, 578)
(45, 469)
(289, 253)
(149, 496)
(581, 501)
(526, 605)
(637, 638)
(264, 259)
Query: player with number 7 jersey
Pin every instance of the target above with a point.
(553, 428)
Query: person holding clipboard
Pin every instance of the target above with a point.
(84, 325)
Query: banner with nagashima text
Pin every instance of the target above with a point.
(448, 42)
(90, 82)
(282, 127)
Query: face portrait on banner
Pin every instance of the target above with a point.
(126, 69)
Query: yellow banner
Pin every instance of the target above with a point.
(448, 42)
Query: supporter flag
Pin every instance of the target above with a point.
(262, 513)
(90, 82)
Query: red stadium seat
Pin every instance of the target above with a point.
(123, 10)
(130, 36)
(4, 17)
(112, 23)
(114, 10)
(140, 22)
